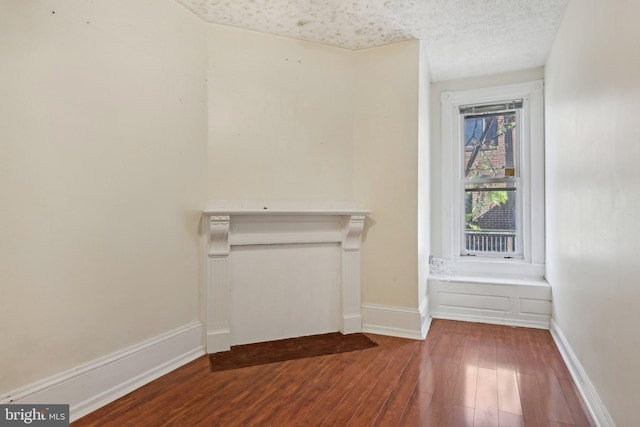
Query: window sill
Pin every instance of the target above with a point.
(491, 270)
(491, 280)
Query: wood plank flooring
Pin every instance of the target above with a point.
(463, 374)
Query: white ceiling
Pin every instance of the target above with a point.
(464, 37)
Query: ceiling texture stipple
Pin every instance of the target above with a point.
(464, 38)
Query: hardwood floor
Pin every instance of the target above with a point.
(463, 374)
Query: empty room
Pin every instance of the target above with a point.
(302, 212)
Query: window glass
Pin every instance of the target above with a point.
(491, 218)
(490, 146)
(490, 184)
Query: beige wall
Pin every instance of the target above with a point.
(437, 170)
(280, 117)
(386, 170)
(291, 120)
(102, 165)
(593, 230)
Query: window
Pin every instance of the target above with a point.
(490, 180)
(493, 197)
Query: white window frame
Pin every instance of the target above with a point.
(517, 180)
(530, 261)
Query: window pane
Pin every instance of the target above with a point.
(490, 218)
(489, 145)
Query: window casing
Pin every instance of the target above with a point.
(493, 180)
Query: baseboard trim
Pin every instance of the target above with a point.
(399, 322)
(218, 340)
(589, 394)
(351, 324)
(425, 316)
(92, 385)
(490, 320)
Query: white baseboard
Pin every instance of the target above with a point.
(490, 320)
(589, 394)
(396, 321)
(92, 385)
(218, 340)
(501, 302)
(425, 317)
(351, 323)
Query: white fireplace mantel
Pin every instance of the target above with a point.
(254, 231)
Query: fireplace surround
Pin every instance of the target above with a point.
(281, 270)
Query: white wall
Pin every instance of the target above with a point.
(593, 227)
(280, 117)
(102, 165)
(437, 169)
(386, 170)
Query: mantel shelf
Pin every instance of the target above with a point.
(230, 208)
(233, 212)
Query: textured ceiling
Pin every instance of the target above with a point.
(464, 37)
(477, 37)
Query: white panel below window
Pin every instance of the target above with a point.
(516, 303)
